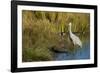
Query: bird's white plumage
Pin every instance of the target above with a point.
(75, 39)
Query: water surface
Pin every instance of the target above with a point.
(78, 53)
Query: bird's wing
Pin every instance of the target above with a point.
(77, 40)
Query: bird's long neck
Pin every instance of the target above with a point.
(70, 29)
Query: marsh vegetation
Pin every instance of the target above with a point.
(41, 32)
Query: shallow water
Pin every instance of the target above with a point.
(79, 53)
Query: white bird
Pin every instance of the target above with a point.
(75, 39)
